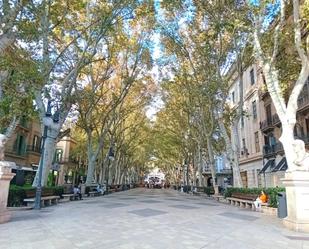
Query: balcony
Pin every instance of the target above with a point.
(272, 150)
(303, 103)
(226, 171)
(34, 149)
(263, 93)
(276, 120)
(269, 150)
(279, 147)
(267, 125)
(244, 152)
(305, 138)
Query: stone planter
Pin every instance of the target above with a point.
(5, 177)
(269, 211)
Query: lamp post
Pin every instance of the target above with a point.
(47, 121)
(111, 157)
(187, 176)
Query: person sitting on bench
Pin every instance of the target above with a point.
(76, 191)
(99, 189)
(261, 199)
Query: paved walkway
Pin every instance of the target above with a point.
(146, 219)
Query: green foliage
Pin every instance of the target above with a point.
(209, 190)
(272, 193)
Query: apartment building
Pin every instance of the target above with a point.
(65, 166)
(223, 172)
(274, 158)
(249, 133)
(24, 148)
(262, 158)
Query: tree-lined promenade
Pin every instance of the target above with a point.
(94, 68)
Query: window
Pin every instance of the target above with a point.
(257, 142)
(20, 145)
(36, 143)
(58, 155)
(242, 121)
(233, 97)
(252, 76)
(244, 143)
(268, 114)
(254, 112)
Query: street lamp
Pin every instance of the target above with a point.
(186, 171)
(111, 157)
(48, 120)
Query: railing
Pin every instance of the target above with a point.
(303, 101)
(266, 124)
(263, 93)
(279, 147)
(305, 138)
(276, 119)
(269, 150)
(16, 151)
(224, 170)
(33, 148)
(244, 151)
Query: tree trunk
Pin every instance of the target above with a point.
(211, 165)
(237, 182)
(200, 166)
(49, 152)
(90, 171)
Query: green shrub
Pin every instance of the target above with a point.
(272, 193)
(18, 193)
(58, 190)
(16, 196)
(209, 190)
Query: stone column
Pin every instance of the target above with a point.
(5, 178)
(297, 192)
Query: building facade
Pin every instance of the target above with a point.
(249, 135)
(262, 159)
(24, 148)
(223, 172)
(274, 157)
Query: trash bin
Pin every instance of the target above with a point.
(282, 206)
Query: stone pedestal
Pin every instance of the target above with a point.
(216, 189)
(5, 178)
(297, 192)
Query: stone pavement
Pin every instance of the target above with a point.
(146, 219)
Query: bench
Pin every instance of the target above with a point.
(70, 197)
(92, 190)
(198, 191)
(94, 193)
(111, 190)
(45, 201)
(218, 197)
(244, 200)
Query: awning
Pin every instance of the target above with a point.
(267, 165)
(281, 166)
